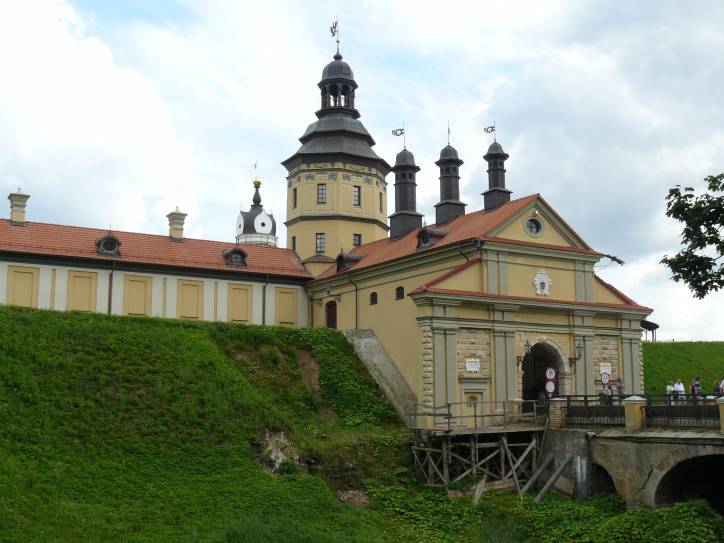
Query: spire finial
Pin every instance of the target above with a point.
(334, 30)
(491, 130)
(448, 132)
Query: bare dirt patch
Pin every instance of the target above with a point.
(310, 372)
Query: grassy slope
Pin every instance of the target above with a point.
(137, 429)
(118, 429)
(665, 361)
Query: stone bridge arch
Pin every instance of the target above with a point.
(639, 465)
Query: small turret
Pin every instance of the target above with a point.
(405, 217)
(256, 226)
(449, 205)
(497, 194)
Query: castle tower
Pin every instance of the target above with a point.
(449, 205)
(336, 188)
(256, 226)
(497, 194)
(405, 217)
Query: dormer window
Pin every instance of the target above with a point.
(108, 246)
(234, 257)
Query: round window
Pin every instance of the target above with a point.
(533, 227)
(109, 245)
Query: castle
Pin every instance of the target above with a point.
(472, 309)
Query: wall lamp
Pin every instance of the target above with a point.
(527, 348)
(579, 353)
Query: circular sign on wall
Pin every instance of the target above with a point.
(605, 378)
(550, 387)
(550, 374)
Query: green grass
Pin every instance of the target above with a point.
(120, 429)
(147, 430)
(664, 361)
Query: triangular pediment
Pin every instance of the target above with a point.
(538, 223)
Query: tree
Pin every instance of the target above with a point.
(698, 263)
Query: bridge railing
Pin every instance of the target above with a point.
(604, 409)
(479, 415)
(660, 410)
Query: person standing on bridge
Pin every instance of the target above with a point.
(696, 388)
(679, 389)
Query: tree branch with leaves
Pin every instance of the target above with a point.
(699, 264)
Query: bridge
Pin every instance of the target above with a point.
(651, 450)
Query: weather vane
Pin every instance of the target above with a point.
(490, 130)
(401, 132)
(334, 30)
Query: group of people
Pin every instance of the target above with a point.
(677, 391)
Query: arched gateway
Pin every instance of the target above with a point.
(544, 354)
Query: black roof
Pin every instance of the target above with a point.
(338, 70)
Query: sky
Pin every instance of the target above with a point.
(114, 113)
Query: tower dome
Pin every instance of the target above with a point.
(337, 69)
(256, 226)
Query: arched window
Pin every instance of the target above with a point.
(373, 298)
(399, 293)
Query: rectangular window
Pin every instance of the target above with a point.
(239, 300)
(321, 193)
(381, 210)
(294, 243)
(294, 198)
(137, 295)
(356, 240)
(82, 291)
(356, 195)
(286, 306)
(190, 299)
(321, 243)
(22, 286)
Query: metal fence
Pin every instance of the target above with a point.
(660, 409)
(604, 410)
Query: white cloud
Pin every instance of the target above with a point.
(92, 142)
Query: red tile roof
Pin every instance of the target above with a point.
(479, 224)
(79, 243)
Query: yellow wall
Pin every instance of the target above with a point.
(339, 178)
(22, 287)
(603, 295)
(286, 306)
(393, 321)
(550, 234)
(189, 299)
(338, 236)
(468, 279)
(82, 291)
(522, 269)
(137, 295)
(240, 303)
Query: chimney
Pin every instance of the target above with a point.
(176, 225)
(18, 201)
(449, 205)
(497, 194)
(405, 217)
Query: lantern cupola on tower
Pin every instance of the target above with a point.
(256, 226)
(337, 88)
(497, 194)
(449, 205)
(405, 217)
